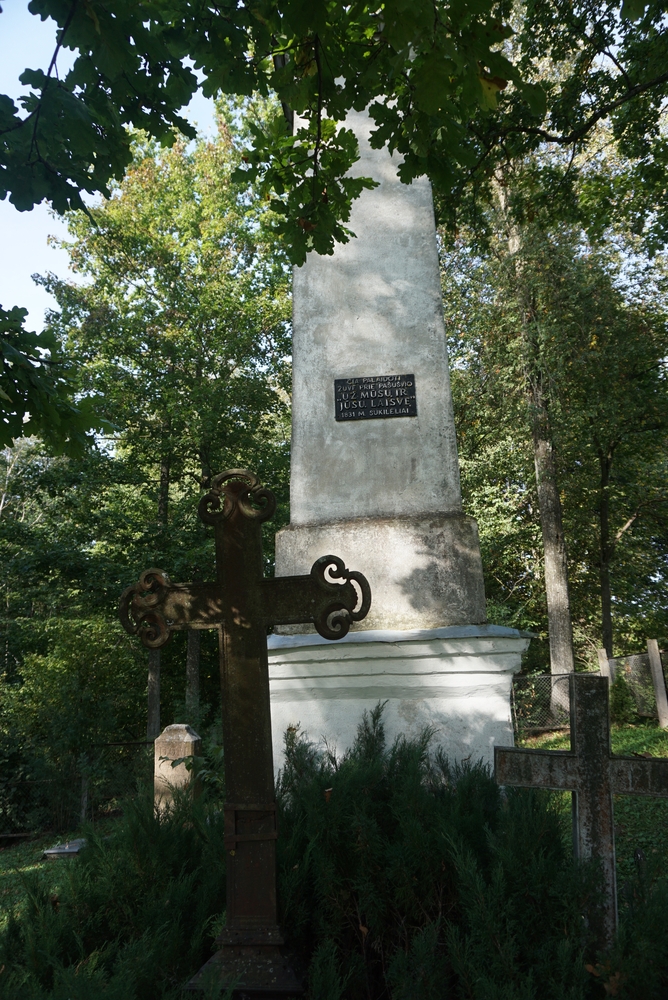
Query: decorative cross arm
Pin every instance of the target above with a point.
(331, 597)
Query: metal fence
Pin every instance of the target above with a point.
(540, 704)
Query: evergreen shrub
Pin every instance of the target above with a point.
(131, 916)
(406, 877)
(401, 877)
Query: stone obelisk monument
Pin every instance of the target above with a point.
(375, 478)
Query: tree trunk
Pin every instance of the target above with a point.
(163, 492)
(605, 551)
(559, 624)
(192, 676)
(153, 716)
(554, 546)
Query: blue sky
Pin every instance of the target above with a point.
(28, 42)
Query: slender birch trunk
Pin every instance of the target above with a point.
(605, 550)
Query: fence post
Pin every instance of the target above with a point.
(153, 695)
(604, 664)
(658, 681)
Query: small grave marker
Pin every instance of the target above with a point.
(658, 682)
(593, 775)
(173, 743)
(241, 605)
(69, 849)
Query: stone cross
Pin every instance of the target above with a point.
(593, 775)
(241, 604)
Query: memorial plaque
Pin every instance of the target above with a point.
(374, 397)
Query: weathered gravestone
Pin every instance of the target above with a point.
(173, 743)
(593, 775)
(241, 605)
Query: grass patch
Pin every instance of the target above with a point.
(22, 860)
(640, 823)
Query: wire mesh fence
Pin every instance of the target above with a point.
(540, 704)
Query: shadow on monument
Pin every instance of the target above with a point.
(443, 586)
(464, 733)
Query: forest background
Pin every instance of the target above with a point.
(177, 332)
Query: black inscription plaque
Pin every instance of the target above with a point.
(375, 397)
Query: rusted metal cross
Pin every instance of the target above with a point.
(593, 775)
(241, 604)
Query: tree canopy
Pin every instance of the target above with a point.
(448, 84)
(454, 86)
(179, 337)
(36, 388)
(591, 330)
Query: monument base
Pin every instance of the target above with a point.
(456, 679)
(424, 571)
(261, 973)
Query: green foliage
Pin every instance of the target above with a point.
(312, 198)
(36, 389)
(399, 876)
(397, 869)
(130, 918)
(72, 535)
(84, 692)
(133, 68)
(548, 312)
(582, 140)
(638, 965)
(208, 769)
(452, 87)
(182, 335)
(458, 90)
(181, 339)
(622, 702)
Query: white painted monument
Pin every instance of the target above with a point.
(375, 480)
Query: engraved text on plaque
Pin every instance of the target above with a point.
(374, 397)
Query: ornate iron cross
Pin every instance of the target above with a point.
(241, 605)
(593, 775)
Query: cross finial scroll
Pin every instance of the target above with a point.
(241, 604)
